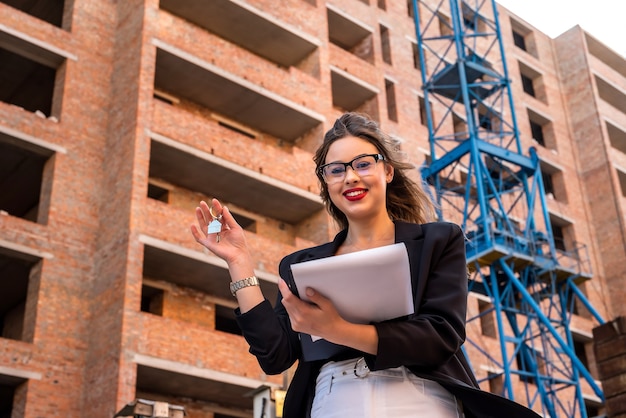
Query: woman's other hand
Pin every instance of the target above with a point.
(318, 316)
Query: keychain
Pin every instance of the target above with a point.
(215, 227)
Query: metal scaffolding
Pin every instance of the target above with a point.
(483, 180)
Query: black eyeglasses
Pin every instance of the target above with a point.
(363, 165)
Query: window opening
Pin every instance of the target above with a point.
(225, 320)
(385, 44)
(392, 109)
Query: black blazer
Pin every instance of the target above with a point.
(428, 342)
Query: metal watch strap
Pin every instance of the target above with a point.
(240, 284)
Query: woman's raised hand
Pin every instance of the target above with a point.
(229, 243)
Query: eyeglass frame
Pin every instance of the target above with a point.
(377, 157)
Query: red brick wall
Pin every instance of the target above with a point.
(83, 321)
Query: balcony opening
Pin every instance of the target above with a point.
(32, 73)
(349, 34)
(617, 136)
(176, 301)
(25, 179)
(351, 93)
(48, 11)
(382, 4)
(385, 41)
(18, 289)
(181, 301)
(177, 165)
(189, 279)
(409, 9)
(610, 93)
(232, 96)
(605, 54)
(392, 108)
(225, 320)
(250, 28)
(26, 83)
(190, 385)
(9, 388)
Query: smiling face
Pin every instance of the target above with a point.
(359, 197)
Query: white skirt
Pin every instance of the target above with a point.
(349, 389)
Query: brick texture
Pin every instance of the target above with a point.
(610, 340)
(83, 326)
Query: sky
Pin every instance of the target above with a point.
(605, 20)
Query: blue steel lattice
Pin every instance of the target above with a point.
(483, 180)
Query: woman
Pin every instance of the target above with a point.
(408, 367)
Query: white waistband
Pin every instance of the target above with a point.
(357, 368)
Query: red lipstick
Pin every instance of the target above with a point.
(355, 194)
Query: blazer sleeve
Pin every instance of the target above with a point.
(431, 336)
(268, 332)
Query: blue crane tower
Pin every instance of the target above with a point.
(483, 179)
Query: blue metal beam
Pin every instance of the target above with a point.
(546, 322)
(507, 155)
(450, 157)
(581, 297)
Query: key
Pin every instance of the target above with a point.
(214, 227)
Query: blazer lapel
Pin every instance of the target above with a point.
(408, 231)
(412, 235)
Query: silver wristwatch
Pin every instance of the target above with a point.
(240, 284)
